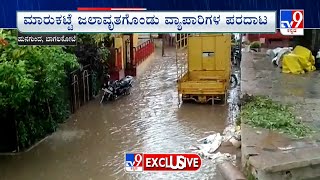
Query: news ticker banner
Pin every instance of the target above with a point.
(146, 22)
(9, 8)
(139, 162)
(47, 39)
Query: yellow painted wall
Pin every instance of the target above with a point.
(135, 40)
(118, 43)
(124, 39)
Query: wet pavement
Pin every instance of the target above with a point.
(260, 77)
(273, 155)
(92, 143)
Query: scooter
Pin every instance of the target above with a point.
(114, 89)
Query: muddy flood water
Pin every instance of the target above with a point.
(92, 143)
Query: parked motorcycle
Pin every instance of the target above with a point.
(114, 89)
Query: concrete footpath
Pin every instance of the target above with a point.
(270, 155)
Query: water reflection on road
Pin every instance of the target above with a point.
(91, 145)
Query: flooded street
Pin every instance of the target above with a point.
(92, 143)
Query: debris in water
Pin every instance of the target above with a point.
(228, 133)
(235, 142)
(221, 157)
(210, 139)
(233, 135)
(207, 146)
(286, 148)
(193, 148)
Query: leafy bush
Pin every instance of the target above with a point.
(255, 44)
(32, 86)
(263, 112)
(92, 49)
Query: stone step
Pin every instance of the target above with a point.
(273, 163)
(300, 164)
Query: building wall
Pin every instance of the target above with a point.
(274, 44)
(276, 36)
(135, 39)
(271, 40)
(118, 43)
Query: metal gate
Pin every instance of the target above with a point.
(81, 87)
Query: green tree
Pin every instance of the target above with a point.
(94, 50)
(32, 86)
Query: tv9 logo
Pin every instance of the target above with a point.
(292, 22)
(134, 162)
(169, 162)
